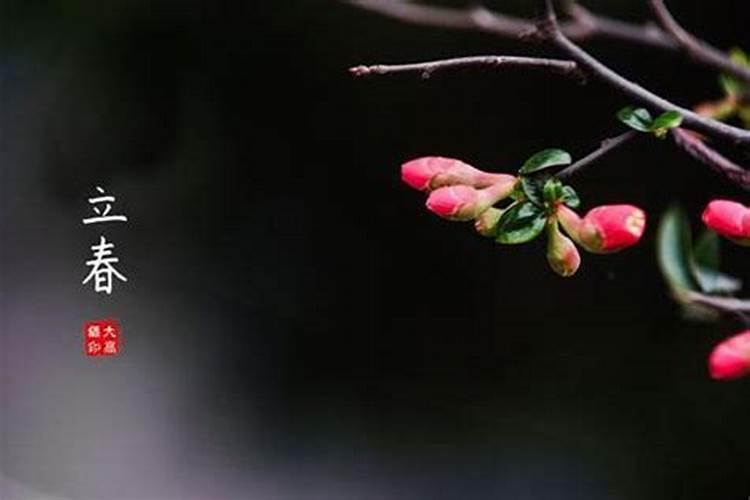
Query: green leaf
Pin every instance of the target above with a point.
(520, 223)
(731, 85)
(533, 188)
(545, 159)
(673, 251)
(705, 267)
(570, 197)
(552, 190)
(665, 121)
(636, 118)
(706, 250)
(739, 56)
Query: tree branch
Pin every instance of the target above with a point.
(693, 145)
(426, 69)
(605, 147)
(549, 29)
(697, 49)
(597, 26)
(583, 24)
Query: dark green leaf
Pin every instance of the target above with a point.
(673, 249)
(533, 188)
(520, 223)
(570, 197)
(636, 118)
(706, 250)
(545, 159)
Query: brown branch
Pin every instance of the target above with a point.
(426, 69)
(684, 139)
(583, 24)
(593, 25)
(549, 29)
(605, 147)
(697, 49)
(693, 145)
(475, 18)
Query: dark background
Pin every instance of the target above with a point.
(295, 324)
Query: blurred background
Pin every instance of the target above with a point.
(295, 324)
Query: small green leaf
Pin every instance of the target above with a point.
(730, 85)
(545, 159)
(533, 188)
(636, 118)
(666, 121)
(570, 197)
(520, 223)
(673, 251)
(739, 56)
(552, 190)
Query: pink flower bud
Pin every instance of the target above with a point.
(731, 358)
(465, 202)
(562, 254)
(432, 172)
(729, 219)
(604, 229)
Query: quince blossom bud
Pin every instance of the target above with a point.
(729, 219)
(562, 254)
(432, 172)
(731, 358)
(486, 224)
(604, 229)
(465, 202)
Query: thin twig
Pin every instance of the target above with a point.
(693, 145)
(606, 146)
(594, 25)
(550, 30)
(426, 69)
(583, 24)
(697, 49)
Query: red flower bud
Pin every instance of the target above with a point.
(432, 172)
(604, 229)
(731, 358)
(729, 219)
(465, 202)
(562, 254)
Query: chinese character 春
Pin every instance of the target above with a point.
(102, 206)
(102, 269)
